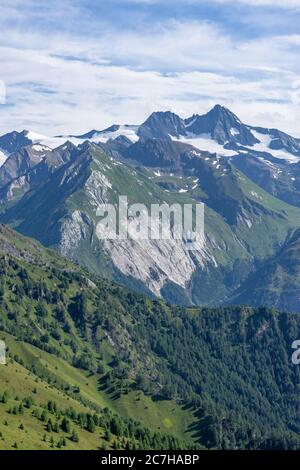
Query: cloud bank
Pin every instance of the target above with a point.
(69, 69)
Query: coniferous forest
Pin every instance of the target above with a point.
(225, 374)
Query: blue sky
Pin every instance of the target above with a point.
(69, 66)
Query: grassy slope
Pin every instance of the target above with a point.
(20, 383)
(218, 361)
(282, 273)
(162, 416)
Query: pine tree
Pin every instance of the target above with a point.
(65, 425)
(107, 435)
(74, 436)
(49, 426)
(90, 424)
(44, 416)
(5, 397)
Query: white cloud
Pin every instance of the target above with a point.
(272, 3)
(69, 82)
(285, 4)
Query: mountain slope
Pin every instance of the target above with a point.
(242, 223)
(278, 140)
(117, 346)
(278, 177)
(36, 380)
(14, 141)
(276, 283)
(44, 321)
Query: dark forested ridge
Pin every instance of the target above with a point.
(228, 368)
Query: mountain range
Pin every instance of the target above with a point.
(247, 177)
(147, 344)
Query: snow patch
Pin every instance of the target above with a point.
(127, 131)
(264, 146)
(51, 142)
(205, 143)
(41, 148)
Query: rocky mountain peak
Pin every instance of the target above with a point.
(14, 141)
(161, 125)
(222, 125)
